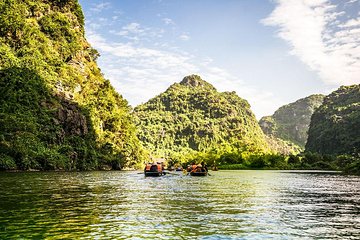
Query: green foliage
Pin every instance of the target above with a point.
(12, 19)
(65, 39)
(308, 161)
(294, 160)
(281, 146)
(335, 125)
(353, 167)
(7, 162)
(291, 122)
(232, 159)
(233, 167)
(192, 116)
(56, 109)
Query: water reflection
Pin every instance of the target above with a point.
(229, 205)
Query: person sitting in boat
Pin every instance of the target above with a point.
(160, 166)
(204, 167)
(191, 167)
(197, 168)
(148, 167)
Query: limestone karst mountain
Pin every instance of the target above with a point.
(193, 116)
(335, 125)
(290, 123)
(56, 109)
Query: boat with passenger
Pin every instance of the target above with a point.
(197, 170)
(154, 170)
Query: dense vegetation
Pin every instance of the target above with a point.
(335, 129)
(191, 117)
(281, 146)
(335, 126)
(56, 109)
(291, 122)
(304, 161)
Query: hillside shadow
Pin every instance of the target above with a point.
(41, 129)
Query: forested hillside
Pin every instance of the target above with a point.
(291, 122)
(56, 109)
(335, 126)
(193, 116)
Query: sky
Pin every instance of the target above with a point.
(271, 52)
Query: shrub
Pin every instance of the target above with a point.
(259, 162)
(7, 162)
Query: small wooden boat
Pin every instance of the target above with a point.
(198, 174)
(199, 170)
(153, 170)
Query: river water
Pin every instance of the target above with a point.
(225, 205)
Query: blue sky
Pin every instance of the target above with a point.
(270, 52)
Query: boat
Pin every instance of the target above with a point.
(153, 174)
(198, 174)
(153, 170)
(199, 170)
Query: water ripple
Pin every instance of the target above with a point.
(226, 205)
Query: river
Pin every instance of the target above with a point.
(225, 205)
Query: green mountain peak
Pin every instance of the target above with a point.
(196, 81)
(192, 116)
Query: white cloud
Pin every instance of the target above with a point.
(184, 37)
(136, 33)
(355, 22)
(168, 21)
(352, 1)
(319, 38)
(133, 28)
(100, 6)
(140, 73)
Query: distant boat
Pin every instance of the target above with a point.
(153, 170)
(197, 170)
